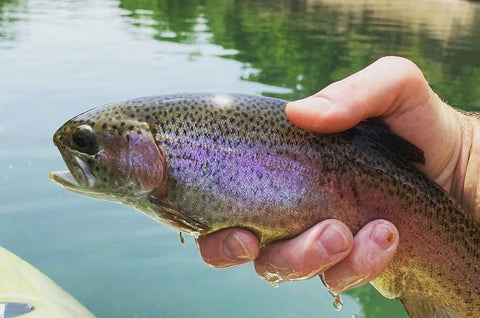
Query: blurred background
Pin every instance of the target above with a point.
(60, 58)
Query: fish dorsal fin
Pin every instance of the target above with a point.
(378, 130)
(426, 308)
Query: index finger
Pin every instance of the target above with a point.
(228, 247)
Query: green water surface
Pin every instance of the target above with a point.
(59, 58)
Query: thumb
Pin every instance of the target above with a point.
(389, 85)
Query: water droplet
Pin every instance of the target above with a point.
(275, 284)
(337, 299)
(337, 302)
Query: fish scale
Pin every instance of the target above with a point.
(203, 162)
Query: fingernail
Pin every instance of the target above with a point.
(383, 235)
(332, 240)
(234, 248)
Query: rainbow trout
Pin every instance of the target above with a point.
(203, 162)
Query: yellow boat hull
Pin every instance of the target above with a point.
(25, 290)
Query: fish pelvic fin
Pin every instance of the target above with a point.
(426, 308)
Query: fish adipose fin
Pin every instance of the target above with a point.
(424, 308)
(402, 148)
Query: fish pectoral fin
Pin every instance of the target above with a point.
(176, 218)
(425, 308)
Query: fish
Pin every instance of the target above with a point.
(201, 162)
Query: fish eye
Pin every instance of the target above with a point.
(83, 139)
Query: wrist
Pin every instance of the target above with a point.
(468, 168)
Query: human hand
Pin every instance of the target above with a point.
(395, 90)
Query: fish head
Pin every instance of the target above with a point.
(111, 154)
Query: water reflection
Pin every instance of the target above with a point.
(178, 21)
(305, 45)
(9, 14)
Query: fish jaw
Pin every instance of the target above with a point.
(79, 168)
(66, 180)
(79, 178)
(80, 174)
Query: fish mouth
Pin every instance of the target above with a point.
(64, 178)
(79, 178)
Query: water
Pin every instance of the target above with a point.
(59, 58)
